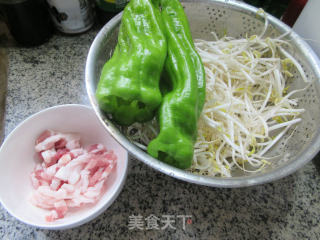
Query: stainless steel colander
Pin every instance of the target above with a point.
(237, 20)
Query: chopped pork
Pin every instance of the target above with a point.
(69, 175)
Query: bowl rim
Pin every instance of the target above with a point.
(235, 182)
(79, 222)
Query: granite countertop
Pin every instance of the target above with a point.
(53, 74)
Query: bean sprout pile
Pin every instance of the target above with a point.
(249, 106)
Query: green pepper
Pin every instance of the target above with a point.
(182, 104)
(129, 84)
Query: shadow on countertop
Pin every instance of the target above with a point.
(4, 39)
(316, 162)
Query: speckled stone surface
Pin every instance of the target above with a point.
(286, 209)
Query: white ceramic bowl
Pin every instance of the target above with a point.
(17, 160)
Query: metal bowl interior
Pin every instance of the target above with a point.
(237, 20)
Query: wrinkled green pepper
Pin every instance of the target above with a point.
(129, 84)
(183, 102)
